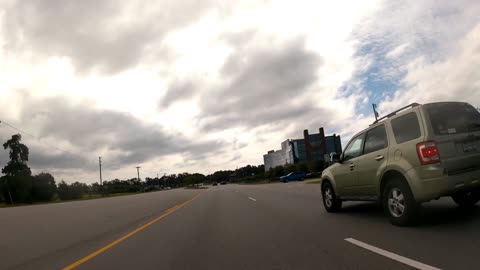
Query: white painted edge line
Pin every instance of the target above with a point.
(392, 256)
(252, 199)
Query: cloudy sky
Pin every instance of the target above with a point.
(189, 85)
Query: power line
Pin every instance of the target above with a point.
(33, 136)
(17, 129)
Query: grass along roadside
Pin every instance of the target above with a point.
(84, 198)
(262, 182)
(265, 182)
(313, 181)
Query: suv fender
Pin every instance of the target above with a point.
(392, 173)
(328, 179)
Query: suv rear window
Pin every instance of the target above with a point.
(453, 117)
(406, 127)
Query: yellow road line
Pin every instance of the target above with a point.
(128, 235)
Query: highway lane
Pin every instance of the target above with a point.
(445, 236)
(52, 236)
(277, 226)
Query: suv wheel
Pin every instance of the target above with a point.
(467, 199)
(398, 203)
(330, 201)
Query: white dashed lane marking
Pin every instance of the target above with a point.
(392, 256)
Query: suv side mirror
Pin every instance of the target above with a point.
(334, 157)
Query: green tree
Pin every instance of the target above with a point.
(316, 166)
(43, 187)
(278, 171)
(63, 190)
(71, 192)
(95, 188)
(193, 179)
(220, 176)
(18, 157)
(303, 167)
(19, 187)
(291, 168)
(17, 183)
(269, 174)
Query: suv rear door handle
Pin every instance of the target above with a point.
(380, 157)
(352, 165)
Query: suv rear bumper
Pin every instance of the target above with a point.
(431, 182)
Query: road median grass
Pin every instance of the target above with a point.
(83, 198)
(314, 181)
(261, 182)
(200, 187)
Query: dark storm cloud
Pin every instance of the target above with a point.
(253, 117)
(263, 86)
(128, 139)
(178, 90)
(237, 145)
(4, 136)
(95, 33)
(45, 158)
(235, 158)
(42, 155)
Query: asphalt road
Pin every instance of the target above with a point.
(276, 226)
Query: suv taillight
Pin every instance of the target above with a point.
(428, 152)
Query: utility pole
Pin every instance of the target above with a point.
(158, 179)
(138, 172)
(100, 166)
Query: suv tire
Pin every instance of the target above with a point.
(398, 203)
(330, 201)
(466, 199)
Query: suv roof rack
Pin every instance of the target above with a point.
(413, 105)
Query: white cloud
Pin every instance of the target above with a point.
(430, 48)
(397, 51)
(455, 78)
(435, 51)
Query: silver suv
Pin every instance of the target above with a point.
(416, 154)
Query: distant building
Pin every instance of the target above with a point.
(280, 157)
(312, 147)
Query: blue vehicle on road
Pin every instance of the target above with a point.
(293, 176)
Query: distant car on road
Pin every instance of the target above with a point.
(150, 188)
(293, 176)
(223, 183)
(215, 184)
